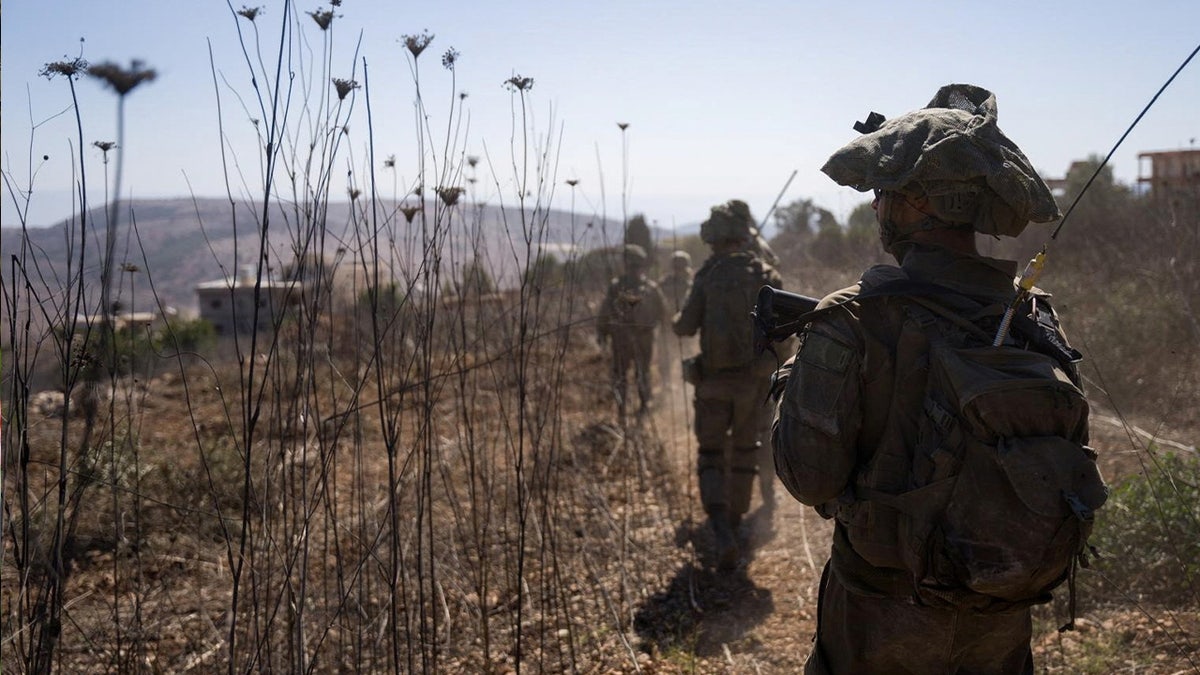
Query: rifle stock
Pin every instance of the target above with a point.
(776, 313)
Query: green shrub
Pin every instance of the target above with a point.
(185, 335)
(1148, 534)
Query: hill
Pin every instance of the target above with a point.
(178, 243)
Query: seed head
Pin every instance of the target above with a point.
(449, 195)
(354, 193)
(130, 267)
(104, 146)
(344, 87)
(390, 162)
(70, 68)
(472, 160)
(518, 83)
(450, 58)
(417, 43)
(323, 18)
(572, 182)
(120, 79)
(409, 212)
(462, 95)
(623, 125)
(251, 13)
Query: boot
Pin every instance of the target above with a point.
(725, 541)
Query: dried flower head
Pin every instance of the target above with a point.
(323, 18)
(120, 79)
(623, 125)
(335, 3)
(418, 190)
(472, 160)
(390, 162)
(130, 267)
(251, 13)
(450, 58)
(70, 68)
(344, 87)
(354, 193)
(518, 83)
(417, 43)
(572, 182)
(104, 146)
(462, 95)
(409, 212)
(449, 195)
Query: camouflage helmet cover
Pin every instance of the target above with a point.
(728, 222)
(953, 152)
(634, 255)
(681, 259)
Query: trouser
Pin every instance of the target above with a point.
(634, 348)
(891, 635)
(727, 406)
(766, 459)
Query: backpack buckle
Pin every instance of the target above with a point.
(1081, 510)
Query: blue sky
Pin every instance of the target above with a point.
(722, 99)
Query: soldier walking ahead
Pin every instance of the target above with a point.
(733, 380)
(632, 310)
(955, 469)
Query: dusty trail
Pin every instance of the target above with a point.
(760, 617)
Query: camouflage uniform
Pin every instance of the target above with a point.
(632, 310)
(847, 396)
(729, 397)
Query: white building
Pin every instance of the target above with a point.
(230, 306)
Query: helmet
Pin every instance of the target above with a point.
(635, 256)
(681, 259)
(727, 222)
(952, 152)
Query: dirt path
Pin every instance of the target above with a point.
(758, 618)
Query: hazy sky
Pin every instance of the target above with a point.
(723, 99)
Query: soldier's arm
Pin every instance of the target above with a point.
(819, 414)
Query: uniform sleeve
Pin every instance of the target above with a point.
(819, 414)
(689, 318)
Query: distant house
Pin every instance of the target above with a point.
(229, 304)
(1170, 173)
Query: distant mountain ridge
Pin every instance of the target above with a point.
(187, 242)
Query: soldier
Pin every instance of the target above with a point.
(675, 286)
(733, 380)
(632, 310)
(855, 409)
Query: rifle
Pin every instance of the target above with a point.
(778, 315)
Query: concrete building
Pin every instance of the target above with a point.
(229, 304)
(1170, 174)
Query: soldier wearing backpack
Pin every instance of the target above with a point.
(956, 471)
(632, 310)
(730, 378)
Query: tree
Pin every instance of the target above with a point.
(799, 225)
(803, 217)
